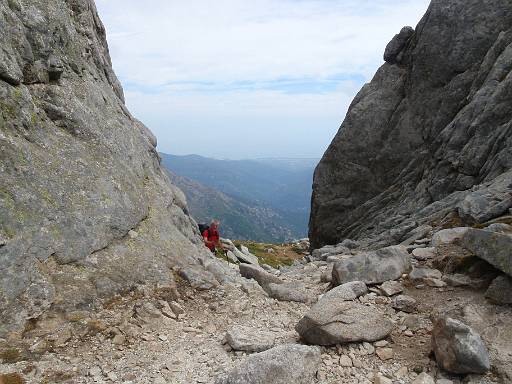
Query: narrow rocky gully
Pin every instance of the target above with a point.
(263, 327)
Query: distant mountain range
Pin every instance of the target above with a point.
(265, 200)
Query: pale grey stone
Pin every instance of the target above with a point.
(243, 338)
(284, 364)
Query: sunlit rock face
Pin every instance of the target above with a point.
(433, 123)
(85, 208)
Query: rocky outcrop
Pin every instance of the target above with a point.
(85, 208)
(428, 136)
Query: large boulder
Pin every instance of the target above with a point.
(429, 129)
(373, 267)
(86, 209)
(332, 321)
(284, 364)
(493, 247)
(458, 349)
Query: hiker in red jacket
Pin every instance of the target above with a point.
(211, 236)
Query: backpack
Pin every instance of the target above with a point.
(203, 227)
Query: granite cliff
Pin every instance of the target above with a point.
(86, 211)
(428, 140)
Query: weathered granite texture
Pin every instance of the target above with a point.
(85, 209)
(434, 122)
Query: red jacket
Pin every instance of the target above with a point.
(213, 236)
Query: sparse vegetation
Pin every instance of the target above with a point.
(271, 254)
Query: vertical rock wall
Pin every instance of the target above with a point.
(434, 122)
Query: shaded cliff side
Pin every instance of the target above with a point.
(85, 208)
(429, 135)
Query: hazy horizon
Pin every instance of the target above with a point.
(248, 80)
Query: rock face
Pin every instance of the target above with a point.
(373, 267)
(428, 131)
(280, 365)
(85, 209)
(458, 348)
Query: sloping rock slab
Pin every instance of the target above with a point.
(249, 339)
(331, 322)
(257, 273)
(284, 364)
(458, 348)
(495, 248)
(373, 267)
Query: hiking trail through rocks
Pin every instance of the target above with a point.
(156, 336)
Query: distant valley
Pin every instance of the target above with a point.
(264, 200)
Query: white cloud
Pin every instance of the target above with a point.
(179, 60)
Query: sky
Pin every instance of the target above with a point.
(238, 79)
